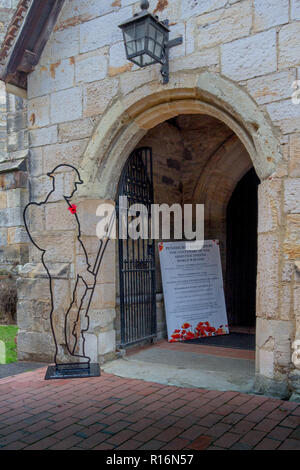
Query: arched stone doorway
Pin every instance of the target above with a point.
(126, 122)
(197, 159)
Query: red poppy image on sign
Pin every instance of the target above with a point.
(202, 330)
(73, 209)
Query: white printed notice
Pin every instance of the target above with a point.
(193, 290)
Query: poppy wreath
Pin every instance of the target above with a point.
(202, 330)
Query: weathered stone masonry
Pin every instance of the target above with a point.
(13, 176)
(89, 107)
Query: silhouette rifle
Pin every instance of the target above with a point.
(87, 297)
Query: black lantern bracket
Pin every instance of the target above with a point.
(165, 70)
(146, 40)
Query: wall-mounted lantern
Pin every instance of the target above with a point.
(146, 40)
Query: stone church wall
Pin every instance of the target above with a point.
(239, 58)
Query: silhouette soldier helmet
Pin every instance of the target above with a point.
(60, 168)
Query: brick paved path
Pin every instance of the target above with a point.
(113, 413)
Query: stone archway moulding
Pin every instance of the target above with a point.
(130, 116)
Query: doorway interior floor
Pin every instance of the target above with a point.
(189, 365)
(233, 341)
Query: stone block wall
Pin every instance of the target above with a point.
(13, 197)
(13, 172)
(238, 57)
(13, 184)
(6, 11)
(3, 131)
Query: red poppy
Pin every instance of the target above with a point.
(199, 327)
(201, 333)
(190, 335)
(176, 336)
(210, 329)
(72, 209)
(186, 325)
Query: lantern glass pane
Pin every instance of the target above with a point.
(147, 60)
(158, 51)
(160, 38)
(152, 31)
(151, 46)
(131, 46)
(156, 41)
(140, 37)
(129, 33)
(129, 36)
(139, 60)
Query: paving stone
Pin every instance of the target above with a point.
(61, 418)
(201, 443)
(290, 444)
(227, 440)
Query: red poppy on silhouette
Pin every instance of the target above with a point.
(72, 209)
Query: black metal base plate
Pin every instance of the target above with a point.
(73, 371)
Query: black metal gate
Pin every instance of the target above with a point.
(136, 257)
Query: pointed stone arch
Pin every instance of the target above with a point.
(131, 115)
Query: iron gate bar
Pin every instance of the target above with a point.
(137, 257)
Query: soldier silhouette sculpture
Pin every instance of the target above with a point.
(69, 318)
